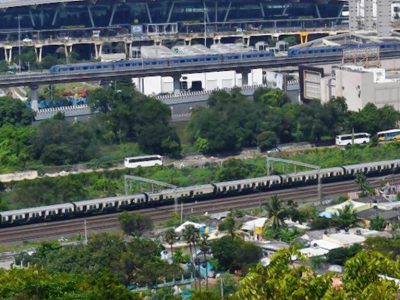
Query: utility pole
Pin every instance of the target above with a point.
(19, 43)
(85, 228)
(271, 160)
(181, 212)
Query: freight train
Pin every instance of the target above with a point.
(193, 193)
(213, 58)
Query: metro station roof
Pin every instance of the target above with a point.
(347, 39)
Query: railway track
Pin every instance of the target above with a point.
(109, 222)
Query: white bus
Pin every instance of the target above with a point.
(143, 161)
(347, 139)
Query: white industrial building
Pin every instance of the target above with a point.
(359, 86)
(196, 81)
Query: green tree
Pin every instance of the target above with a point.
(170, 238)
(232, 169)
(15, 112)
(388, 246)
(205, 249)
(267, 140)
(341, 255)
(362, 276)
(135, 224)
(276, 213)
(346, 217)
(229, 123)
(363, 185)
(235, 254)
(131, 116)
(283, 279)
(190, 235)
(204, 295)
(15, 146)
(372, 119)
(377, 223)
(48, 61)
(60, 142)
(229, 225)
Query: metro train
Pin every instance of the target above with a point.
(213, 58)
(193, 193)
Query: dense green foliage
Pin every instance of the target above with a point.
(341, 255)
(232, 253)
(131, 116)
(14, 112)
(135, 224)
(125, 116)
(390, 247)
(37, 283)
(231, 122)
(135, 262)
(285, 279)
(60, 142)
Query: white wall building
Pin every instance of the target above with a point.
(208, 81)
(360, 86)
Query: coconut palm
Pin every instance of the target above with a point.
(205, 248)
(229, 225)
(276, 213)
(170, 238)
(363, 185)
(191, 234)
(346, 217)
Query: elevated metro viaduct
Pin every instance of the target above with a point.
(72, 14)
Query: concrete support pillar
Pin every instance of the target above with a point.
(217, 40)
(34, 98)
(140, 86)
(8, 54)
(245, 77)
(39, 53)
(246, 40)
(128, 49)
(177, 83)
(188, 41)
(68, 50)
(98, 50)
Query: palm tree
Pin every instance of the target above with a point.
(346, 217)
(178, 256)
(205, 248)
(276, 213)
(190, 234)
(170, 238)
(229, 224)
(363, 185)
